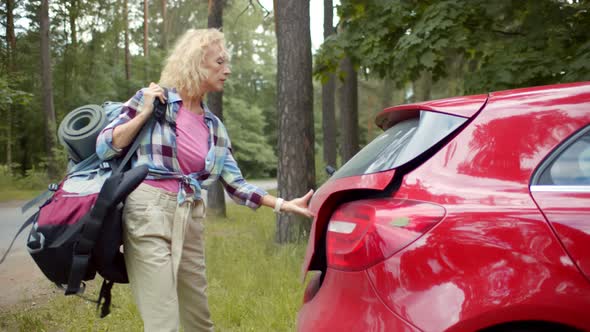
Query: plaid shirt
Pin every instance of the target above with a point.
(157, 150)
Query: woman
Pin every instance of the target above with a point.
(163, 217)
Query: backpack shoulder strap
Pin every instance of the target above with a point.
(91, 226)
(133, 147)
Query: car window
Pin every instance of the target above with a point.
(401, 143)
(572, 165)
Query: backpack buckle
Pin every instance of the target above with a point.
(104, 165)
(36, 243)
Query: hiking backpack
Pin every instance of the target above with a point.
(77, 231)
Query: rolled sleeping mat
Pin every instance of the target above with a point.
(78, 131)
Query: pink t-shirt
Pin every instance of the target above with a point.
(192, 145)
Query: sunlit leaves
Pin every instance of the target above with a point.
(504, 43)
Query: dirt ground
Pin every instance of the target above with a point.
(22, 284)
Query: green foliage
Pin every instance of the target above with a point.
(320, 170)
(35, 179)
(254, 285)
(10, 97)
(249, 106)
(90, 69)
(498, 45)
(245, 123)
(21, 187)
(251, 41)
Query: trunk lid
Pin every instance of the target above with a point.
(409, 131)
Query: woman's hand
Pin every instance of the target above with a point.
(299, 205)
(149, 95)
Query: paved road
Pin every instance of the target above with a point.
(20, 279)
(19, 276)
(10, 221)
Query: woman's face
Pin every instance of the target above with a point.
(216, 65)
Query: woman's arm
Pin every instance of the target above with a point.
(252, 196)
(124, 134)
(297, 205)
(119, 133)
(246, 194)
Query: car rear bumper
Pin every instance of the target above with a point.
(346, 301)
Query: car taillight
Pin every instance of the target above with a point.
(363, 233)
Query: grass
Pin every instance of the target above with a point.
(7, 195)
(16, 187)
(253, 285)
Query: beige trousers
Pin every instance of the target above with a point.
(164, 254)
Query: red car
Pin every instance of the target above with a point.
(465, 214)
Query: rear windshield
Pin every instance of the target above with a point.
(401, 143)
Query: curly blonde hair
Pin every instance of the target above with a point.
(183, 69)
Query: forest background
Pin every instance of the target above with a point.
(289, 113)
(379, 54)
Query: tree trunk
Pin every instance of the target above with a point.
(10, 36)
(424, 87)
(115, 70)
(328, 102)
(127, 59)
(349, 111)
(296, 169)
(25, 154)
(71, 54)
(145, 30)
(73, 16)
(215, 195)
(146, 50)
(9, 140)
(456, 65)
(47, 88)
(215, 17)
(11, 51)
(387, 94)
(164, 32)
